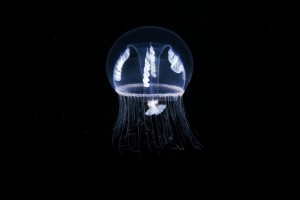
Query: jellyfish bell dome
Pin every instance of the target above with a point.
(149, 61)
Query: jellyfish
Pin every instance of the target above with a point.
(150, 68)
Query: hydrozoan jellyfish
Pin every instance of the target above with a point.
(150, 68)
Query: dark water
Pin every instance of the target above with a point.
(241, 99)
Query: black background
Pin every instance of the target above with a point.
(241, 98)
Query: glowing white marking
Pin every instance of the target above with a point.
(154, 108)
(147, 69)
(149, 66)
(119, 64)
(152, 62)
(130, 90)
(176, 63)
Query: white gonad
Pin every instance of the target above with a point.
(176, 63)
(152, 62)
(119, 64)
(149, 66)
(147, 70)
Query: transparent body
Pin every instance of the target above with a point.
(150, 68)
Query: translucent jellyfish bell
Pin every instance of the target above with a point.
(150, 68)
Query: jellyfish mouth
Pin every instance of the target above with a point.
(155, 90)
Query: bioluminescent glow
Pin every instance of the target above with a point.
(150, 68)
